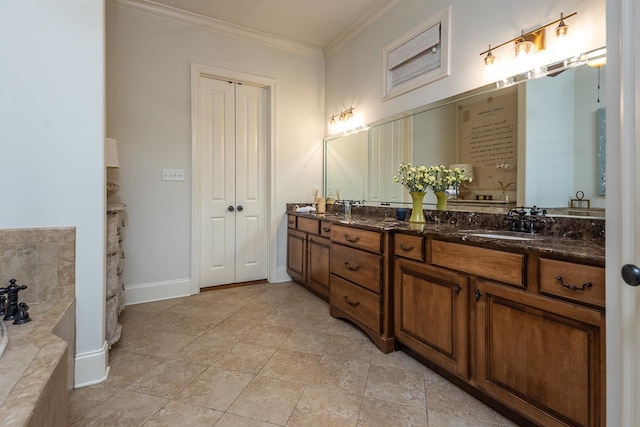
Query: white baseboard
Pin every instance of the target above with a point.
(282, 275)
(91, 367)
(146, 292)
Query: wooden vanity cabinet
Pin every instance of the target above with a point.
(359, 281)
(308, 253)
(431, 313)
(524, 330)
(542, 357)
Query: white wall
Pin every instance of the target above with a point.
(51, 144)
(354, 72)
(148, 112)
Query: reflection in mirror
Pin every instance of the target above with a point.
(537, 143)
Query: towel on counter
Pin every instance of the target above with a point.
(305, 209)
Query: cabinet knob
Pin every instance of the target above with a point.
(240, 208)
(631, 274)
(478, 294)
(231, 208)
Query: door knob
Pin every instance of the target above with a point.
(230, 209)
(240, 208)
(631, 274)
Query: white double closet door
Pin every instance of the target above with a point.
(233, 124)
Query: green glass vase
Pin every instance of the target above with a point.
(417, 213)
(441, 204)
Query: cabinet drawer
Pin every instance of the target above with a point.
(363, 239)
(408, 246)
(291, 221)
(577, 282)
(309, 225)
(498, 265)
(325, 228)
(358, 303)
(360, 267)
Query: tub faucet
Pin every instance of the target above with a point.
(12, 299)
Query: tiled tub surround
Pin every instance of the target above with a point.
(36, 370)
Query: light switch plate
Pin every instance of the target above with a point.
(172, 175)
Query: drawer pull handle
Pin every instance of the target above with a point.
(406, 248)
(574, 287)
(326, 229)
(350, 240)
(348, 267)
(351, 303)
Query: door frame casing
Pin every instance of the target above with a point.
(198, 71)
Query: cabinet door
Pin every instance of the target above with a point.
(297, 255)
(431, 314)
(318, 264)
(544, 358)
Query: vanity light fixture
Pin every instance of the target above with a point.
(526, 45)
(346, 122)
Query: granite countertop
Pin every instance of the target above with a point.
(586, 249)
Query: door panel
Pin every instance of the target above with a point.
(251, 186)
(217, 168)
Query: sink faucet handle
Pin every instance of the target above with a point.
(537, 211)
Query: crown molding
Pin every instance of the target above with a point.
(372, 15)
(210, 24)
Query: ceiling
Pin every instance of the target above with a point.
(312, 22)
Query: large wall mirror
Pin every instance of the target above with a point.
(539, 142)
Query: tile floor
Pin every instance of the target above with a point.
(263, 355)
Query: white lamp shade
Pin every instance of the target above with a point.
(111, 153)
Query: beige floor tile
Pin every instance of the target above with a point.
(215, 389)
(247, 358)
(347, 329)
(294, 366)
(397, 359)
(251, 314)
(156, 320)
(396, 385)
(153, 342)
(347, 375)
(307, 341)
(351, 347)
(444, 397)
(232, 420)
(86, 399)
(191, 307)
(168, 378)
(126, 367)
(230, 329)
(319, 323)
(178, 413)
(439, 419)
(268, 399)
(279, 317)
(379, 413)
(319, 407)
(205, 350)
(192, 325)
(267, 335)
(125, 409)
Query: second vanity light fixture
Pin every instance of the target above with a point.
(526, 45)
(346, 122)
